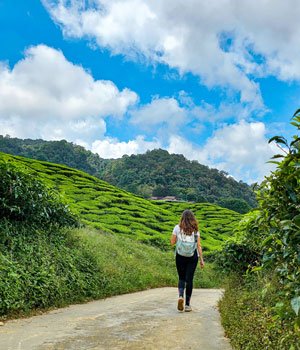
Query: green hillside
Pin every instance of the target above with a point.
(158, 173)
(60, 152)
(110, 209)
(155, 173)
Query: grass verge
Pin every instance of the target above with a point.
(253, 317)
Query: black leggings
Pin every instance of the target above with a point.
(186, 267)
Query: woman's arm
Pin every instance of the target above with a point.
(199, 248)
(173, 239)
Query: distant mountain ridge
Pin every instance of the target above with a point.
(155, 173)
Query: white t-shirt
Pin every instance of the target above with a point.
(191, 238)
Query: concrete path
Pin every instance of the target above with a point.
(143, 320)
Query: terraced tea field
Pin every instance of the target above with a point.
(116, 211)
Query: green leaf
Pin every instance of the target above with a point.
(297, 112)
(295, 141)
(295, 124)
(273, 162)
(295, 303)
(296, 220)
(257, 268)
(266, 241)
(279, 139)
(277, 156)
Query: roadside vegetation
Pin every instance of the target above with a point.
(261, 307)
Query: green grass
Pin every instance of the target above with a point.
(107, 208)
(254, 317)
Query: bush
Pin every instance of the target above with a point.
(27, 200)
(243, 251)
(266, 315)
(236, 257)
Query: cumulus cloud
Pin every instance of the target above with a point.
(240, 149)
(161, 111)
(45, 95)
(113, 148)
(178, 115)
(224, 42)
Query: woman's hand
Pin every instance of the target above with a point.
(201, 261)
(173, 239)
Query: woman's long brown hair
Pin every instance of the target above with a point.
(188, 223)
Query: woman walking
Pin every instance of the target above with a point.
(188, 252)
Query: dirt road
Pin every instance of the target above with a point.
(143, 320)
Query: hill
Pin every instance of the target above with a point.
(155, 173)
(60, 152)
(158, 173)
(105, 207)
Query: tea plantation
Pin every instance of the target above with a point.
(109, 209)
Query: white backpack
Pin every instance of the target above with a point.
(185, 247)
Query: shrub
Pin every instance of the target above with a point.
(25, 199)
(272, 231)
(279, 219)
(40, 269)
(237, 257)
(243, 251)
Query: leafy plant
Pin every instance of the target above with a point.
(237, 257)
(24, 198)
(254, 315)
(273, 231)
(279, 203)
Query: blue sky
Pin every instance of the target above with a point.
(210, 80)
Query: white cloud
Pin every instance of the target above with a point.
(53, 128)
(179, 145)
(45, 95)
(213, 39)
(170, 115)
(113, 148)
(160, 111)
(240, 149)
